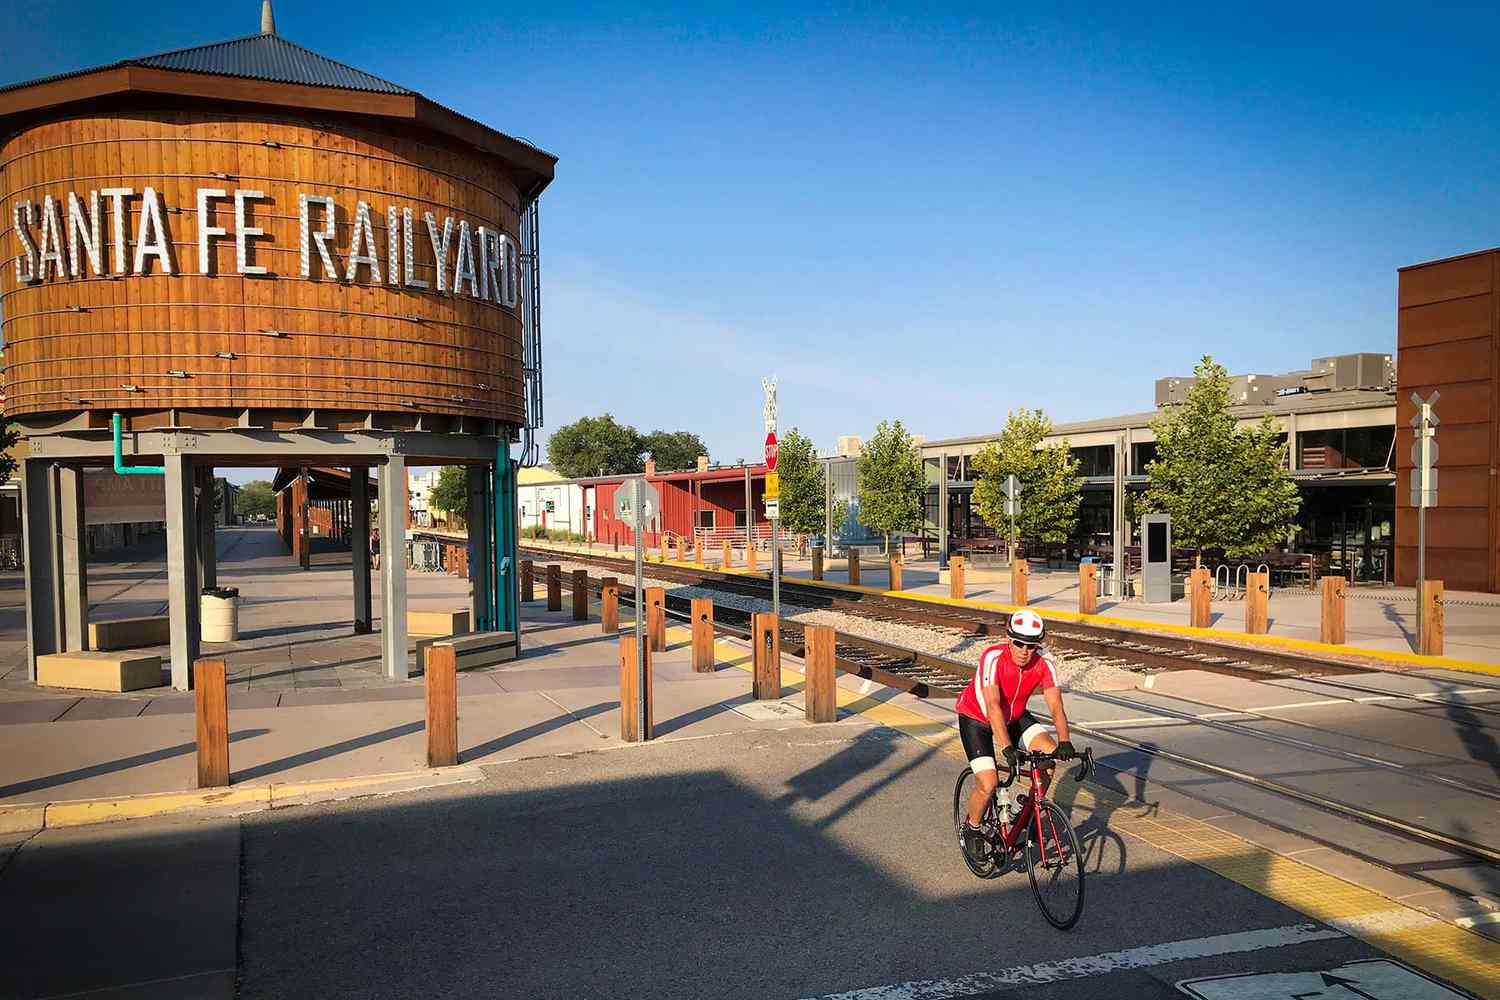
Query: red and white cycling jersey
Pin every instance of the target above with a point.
(1016, 685)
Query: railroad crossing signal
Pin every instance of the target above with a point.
(1424, 452)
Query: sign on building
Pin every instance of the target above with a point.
(112, 499)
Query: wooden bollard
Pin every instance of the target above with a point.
(681, 549)
(580, 595)
(703, 635)
(554, 587)
(817, 558)
(632, 696)
(211, 704)
(609, 605)
(1020, 577)
(528, 580)
(1257, 603)
(441, 681)
(656, 617)
(698, 551)
(750, 556)
(1332, 629)
(895, 571)
(854, 567)
(728, 559)
(765, 682)
(956, 582)
(1200, 598)
(1088, 589)
(820, 694)
(1431, 610)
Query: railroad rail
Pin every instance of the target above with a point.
(1119, 646)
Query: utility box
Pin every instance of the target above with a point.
(1156, 558)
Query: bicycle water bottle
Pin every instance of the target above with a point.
(1005, 811)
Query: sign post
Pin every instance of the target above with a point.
(1012, 509)
(636, 503)
(1424, 484)
(773, 493)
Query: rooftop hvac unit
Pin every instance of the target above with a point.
(850, 446)
(1351, 371)
(1173, 390)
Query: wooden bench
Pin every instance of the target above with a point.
(98, 671)
(130, 633)
(478, 649)
(438, 623)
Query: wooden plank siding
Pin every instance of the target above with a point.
(360, 346)
(1448, 338)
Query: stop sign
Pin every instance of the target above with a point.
(772, 448)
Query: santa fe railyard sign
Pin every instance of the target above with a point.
(64, 238)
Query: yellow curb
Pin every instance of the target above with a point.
(239, 800)
(25, 818)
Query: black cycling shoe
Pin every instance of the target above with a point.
(976, 844)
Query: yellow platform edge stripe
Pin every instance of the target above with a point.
(1436, 946)
(1131, 624)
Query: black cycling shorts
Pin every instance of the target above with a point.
(979, 739)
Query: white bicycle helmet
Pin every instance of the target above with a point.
(1027, 627)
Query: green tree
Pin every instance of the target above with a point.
(8, 438)
(592, 446)
(890, 482)
(674, 449)
(451, 493)
(256, 498)
(804, 493)
(1227, 488)
(1051, 491)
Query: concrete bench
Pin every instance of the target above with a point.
(477, 649)
(438, 623)
(98, 671)
(130, 633)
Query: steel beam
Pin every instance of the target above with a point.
(392, 487)
(263, 447)
(505, 589)
(359, 546)
(43, 615)
(72, 539)
(183, 594)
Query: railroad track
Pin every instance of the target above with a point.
(929, 676)
(1117, 646)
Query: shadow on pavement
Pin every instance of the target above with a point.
(114, 766)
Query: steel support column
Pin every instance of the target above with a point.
(72, 540)
(43, 615)
(182, 568)
(506, 600)
(481, 548)
(942, 511)
(393, 568)
(359, 547)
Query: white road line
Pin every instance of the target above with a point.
(1383, 922)
(1096, 965)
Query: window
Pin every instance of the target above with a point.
(1345, 448)
(1095, 460)
(739, 518)
(705, 519)
(1142, 454)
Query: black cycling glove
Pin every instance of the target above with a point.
(1010, 753)
(1065, 750)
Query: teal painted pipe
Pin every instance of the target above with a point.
(121, 469)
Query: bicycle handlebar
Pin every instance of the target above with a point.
(1037, 759)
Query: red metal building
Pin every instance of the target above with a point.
(706, 501)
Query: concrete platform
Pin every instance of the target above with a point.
(99, 671)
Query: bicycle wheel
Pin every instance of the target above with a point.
(1055, 865)
(987, 866)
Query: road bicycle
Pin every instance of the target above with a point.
(1053, 860)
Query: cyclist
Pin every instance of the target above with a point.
(993, 709)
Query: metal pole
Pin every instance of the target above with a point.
(828, 509)
(942, 518)
(1421, 517)
(749, 513)
(776, 568)
(640, 611)
(1117, 585)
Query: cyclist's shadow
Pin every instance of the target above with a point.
(1104, 851)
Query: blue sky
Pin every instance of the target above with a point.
(930, 214)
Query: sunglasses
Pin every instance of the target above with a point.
(1025, 645)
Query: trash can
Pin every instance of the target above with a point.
(220, 614)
